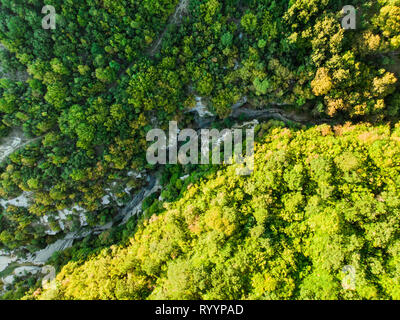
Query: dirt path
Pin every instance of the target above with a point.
(180, 11)
(14, 141)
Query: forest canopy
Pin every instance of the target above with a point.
(83, 96)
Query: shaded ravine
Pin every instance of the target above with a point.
(277, 114)
(242, 109)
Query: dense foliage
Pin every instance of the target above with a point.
(319, 199)
(87, 131)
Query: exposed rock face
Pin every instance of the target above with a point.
(5, 261)
(21, 201)
(14, 141)
(21, 271)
